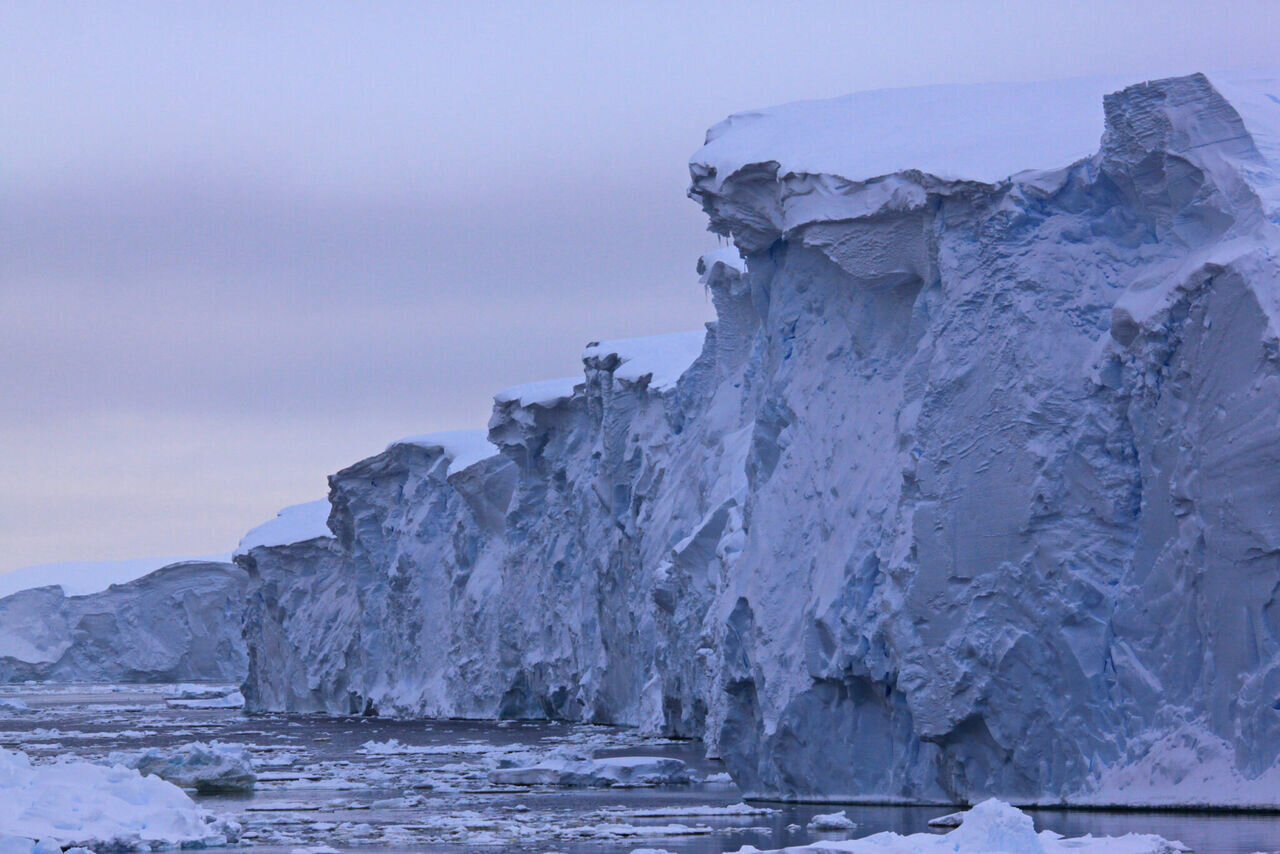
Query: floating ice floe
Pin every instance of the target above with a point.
(610, 771)
(98, 806)
(204, 767)
(991, 827)
(706, 811)
(832, 821)
(233, 700)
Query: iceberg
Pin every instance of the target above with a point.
(203, 767)
(181, 622)
(969, 491)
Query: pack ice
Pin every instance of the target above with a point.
(970, 490)
(179, 622)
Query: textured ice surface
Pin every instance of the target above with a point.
(177, 623)
(971, 490)
(102, 807)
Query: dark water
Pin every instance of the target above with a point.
(321, 787)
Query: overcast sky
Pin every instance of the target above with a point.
(245, 244)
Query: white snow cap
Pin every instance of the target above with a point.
(83, 578)
(464, 448)
(663, 357)
(984, 132)
(727, 255)
(295, 524)
(543, 393)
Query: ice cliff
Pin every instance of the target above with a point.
(970, 490)
(178, 623)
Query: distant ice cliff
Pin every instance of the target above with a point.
(179, 623)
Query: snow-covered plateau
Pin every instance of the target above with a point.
(970, 490)
(176, 623)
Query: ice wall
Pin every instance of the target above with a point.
(179, 623)
(970, 490)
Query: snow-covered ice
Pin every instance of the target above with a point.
(831, 821)
(661, 358)
(463, 448)
(111, 807)
(294, 524)
(540, 393)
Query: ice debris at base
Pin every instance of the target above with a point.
(204, 767)
(178, 622)
(294, 524)
(969, 491)
(831, 822)
(609, 771)
(101, 807)
(991, 827)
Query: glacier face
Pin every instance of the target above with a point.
(970, 490)
(178, 623)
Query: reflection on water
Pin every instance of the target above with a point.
(424, 786)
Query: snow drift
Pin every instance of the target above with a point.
(179, 623)
(970, 489)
